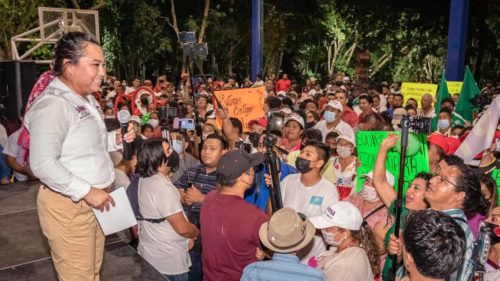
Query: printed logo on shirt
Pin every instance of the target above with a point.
(316, 200)
(82, 111)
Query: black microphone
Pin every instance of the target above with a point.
(124, 117)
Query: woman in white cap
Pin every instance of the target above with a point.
(354, 256)
(292, 132)
(344, 165)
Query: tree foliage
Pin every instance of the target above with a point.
(406, 40)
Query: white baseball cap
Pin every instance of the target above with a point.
(296, 118)
(348, 138)
(282, 93)
(341, 214)
(335, 104)
(286, 111)
(388, 175)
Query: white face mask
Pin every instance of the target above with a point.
(443, 123)
(329, 238)
(343, 151)
(369, 193)
(154, 122)
(177, 146)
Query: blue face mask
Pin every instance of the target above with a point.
(177, 146)
(109, 104)
(443, 123)
(329, 116)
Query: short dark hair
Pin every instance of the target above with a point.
(399, 95)
(273, 102)
(287, 102)
(332, 134)
(450, 100)
(446, 110)
(150, 157)
(237, 124)
(367, 98)
(71, 47)
(436, 243)
(146, 126)
(467, 182)
(304, 104)
(416, 102)
(222, 140)
(312, 134)
(322, 150)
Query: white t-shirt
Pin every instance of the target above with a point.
(14, 150)
(351, 264)
(159, 244)
(342, 127)
(3, 136)
(121, 179)
(310, 201)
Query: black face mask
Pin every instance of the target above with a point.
(303, 165)
(144, 101)
(173, 161)
(494, 235)
(310, 125)
(338, 83)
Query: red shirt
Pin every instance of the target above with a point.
(349, 116)
(283, 85)
(230, 235)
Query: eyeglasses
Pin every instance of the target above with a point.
(442, 179)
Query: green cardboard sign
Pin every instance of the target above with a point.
(368, 145)
(496, 177)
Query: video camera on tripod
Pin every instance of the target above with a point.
(275, 122)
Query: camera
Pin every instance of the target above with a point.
(244, 146)
(421, 125)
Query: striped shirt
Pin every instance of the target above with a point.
(465, 270)
(198, 177)
(281, 267)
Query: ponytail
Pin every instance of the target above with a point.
(364, 236)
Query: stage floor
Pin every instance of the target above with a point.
(24, 252)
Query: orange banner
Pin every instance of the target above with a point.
(245, 104)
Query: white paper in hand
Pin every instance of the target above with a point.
(118, 217)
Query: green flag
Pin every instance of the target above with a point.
(441, 95)
(469, 90)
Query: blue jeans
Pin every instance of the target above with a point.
(5, 171)
(178, 277)
(195, 272)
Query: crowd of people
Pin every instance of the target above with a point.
(205, 210)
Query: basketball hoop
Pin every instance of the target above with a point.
(53, 23)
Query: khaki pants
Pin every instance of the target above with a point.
(76, 241)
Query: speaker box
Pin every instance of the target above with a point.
(17, 78)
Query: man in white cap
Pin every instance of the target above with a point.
(286, 233)
(332, 120)
(353, 255)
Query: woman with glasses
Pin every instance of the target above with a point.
(311, 119)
